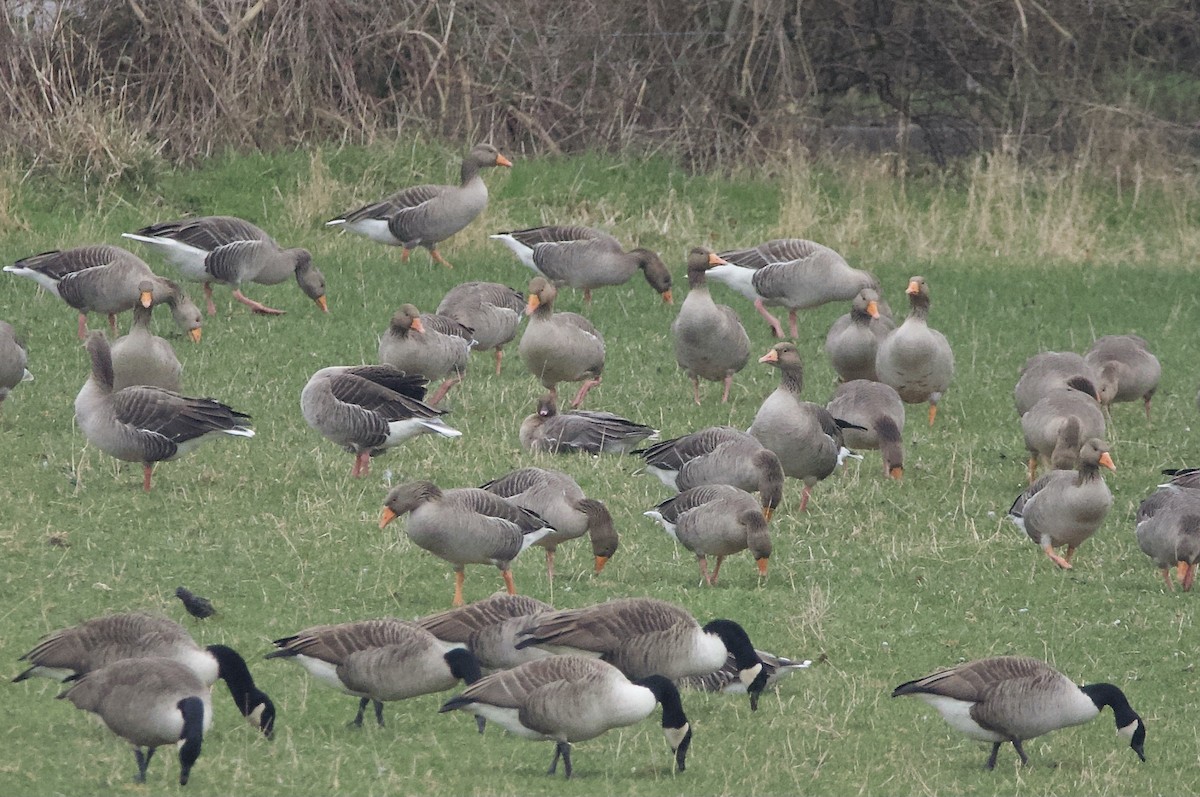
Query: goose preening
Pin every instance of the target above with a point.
(1056, 426)
(490, 628)
(876, 415)
(1125, 368)
(147, 424)
(490, 310)
(149, 702)
(368, 409)
(560, 501)
(583, 257)
(232, 251)
(710, 341)
(109, 280)
(916, 359)
(378, 661)
(430, 345)
(547, 430)
(1050, 370)
(143, 358)
(1168, 531)
(13, 359)
(559, 347)
(464, 525)
(726, 679)
(1065, 507)
(716, 520)
(426, 215)
(646, 636)
(1012, 699)
(76, 651)
(853, 340)
(565, 699)
(717, 455)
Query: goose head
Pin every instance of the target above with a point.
(407, 318)
(655, 272)
(675, 725)
(750, 667)
(405, 498)
(309, 278)
(542, 294)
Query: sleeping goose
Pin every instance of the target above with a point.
(490, 310)
(1047, 371)
(143, 423)
(916, 359)
(559, 500)
(716, 520)
(368, 409)
(1012, 699)
(710, 341)
(582, 257)
(646, 636)
(149, 702)
(489, 628)
(1065, 507)
(378, 661)
(143, 358)
(426, 344)
(76, 651)
(232, 251)
(1168, 531)
(1056, 426)
(878, 412)
(1126, 369)
(853, 339)
(465, 526)
(426, 215)
(13, 359)
(560, 347)
(549, 431)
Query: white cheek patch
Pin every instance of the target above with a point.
(675, 736)
(255, 716)
(1128, 731)
(749, 674)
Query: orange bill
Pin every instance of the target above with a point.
(387, 517)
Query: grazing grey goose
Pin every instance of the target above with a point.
(72, 652)
(853, 340)
(149, 702)
(232, 251)
(716, 520)
(1126, 369)
(1168, 531)
(1049, 370)
(13, 359)
(490, 628)
(726, 679)
(795, 273)
(877, 409)
(106, 279)
(583, 257)
(560, 501)
(368, 409)
(718, 455)
(549, 431)
(464, 525)
(647, 636)
(559, 347)
(143, 358)
(565, 699)
(490, 310)
(143, 423)
(916, 359)
(710, 341)
(433, 346)
(426, 215)
(1012, 699)
(1056, 426)
(1065, 507)
(377, 661)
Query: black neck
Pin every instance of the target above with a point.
(464, 665)
(667, 694)
(1108, 695)
(736, 641)
(249, 698)
(192, 709)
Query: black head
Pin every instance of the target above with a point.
(192, 709)
(464, 665)
(750, 667)
(254, 703)
(675, 725)
(1130, 726)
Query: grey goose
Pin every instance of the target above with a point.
(710, 341)
(916, 359)
(549, 431)
(1049, 370)
(1056, 426)
(559, 347)
(853, 340)
(490, 628)
(490, 310)
(143, 358)
(876, 415)
(429, 345)
(716, 520)
(13, 359)
(1168, 531)
(1126, 369)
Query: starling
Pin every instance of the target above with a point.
(196, 606)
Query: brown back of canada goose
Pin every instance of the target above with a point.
(916, 359)
(143, 358)
(490, 628)
(877, 408)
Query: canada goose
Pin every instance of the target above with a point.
(552, 432)
(805, 437)
(1012, 699)
(143, 358)
(1056, 426)
(559, 500)
(645, 636)
(1065, 507)
(565, 699)
(106, 279)
(492, 311)
(76, 651)
(377, 661)
(149, 702)
(430, 345)
(726, 679)
(916, 359)
(426, 215)
(147, 424)
(717, 520)
(718, 455)
(853, 340)
(490, 627)
(878, 410)
(559, 347)
(464, 526)
(582, 257)
(368, 409)
(13, 359)
(710, 340)
(1047, 371)
(1127, 371)
(1168, 531)
(232, 251)
(791, 272)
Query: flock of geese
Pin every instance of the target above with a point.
(570, 675)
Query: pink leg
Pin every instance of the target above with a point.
(362, 463)
(587, 295)
(147, 469)
(442, 390)
(550, 565)
(112, 323)
(772, 320)
(804, 498)
(583, 391)
(792, 324)
(1147, 404)
(499, 357)
(82, 326)
(209, 307)
(437, 258)
(728, 384)
(261, 309)
(696, 389)
(703, 563)
(716, 571)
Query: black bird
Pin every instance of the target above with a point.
(196, 606)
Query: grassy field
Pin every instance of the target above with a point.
(878, 583)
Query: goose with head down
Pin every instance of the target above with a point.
(490, 310)
(716, 520)
(13, 359)
(875, 415)
(490, 628)
(1126, 370)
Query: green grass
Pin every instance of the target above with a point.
(880, 582)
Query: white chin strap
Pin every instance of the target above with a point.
(749, 674)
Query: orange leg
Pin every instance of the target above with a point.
(1054, 557)
(1032, 468)
(588, 384)
(443, 389)
(147, 469)
(509, 584)
(932, 413)
(459, 577)
(257, 307)
(1189, 577)
(437, 258)
(82, 326)
(362, 463)
(728, 384)
(499, 357)
(1166, 575)
(804, 498)
(716, 571)
(792, 324)
(703, 563)
(549, 565)
(209, 307)
(696, 389)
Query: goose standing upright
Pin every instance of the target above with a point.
(560, 347)
(490, 310)
(430, 345)
(547, 430)
(13, 359)
(426, 215)
(717, 520)
(490, 628)
(853, 340)
(916, 359)
(710, 340)
(143, 358)
(878, 412)
(1126, 369)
